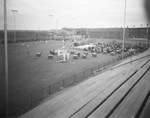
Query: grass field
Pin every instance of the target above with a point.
(27, 74)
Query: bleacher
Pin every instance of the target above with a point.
(120, 92)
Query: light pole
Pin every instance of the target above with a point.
(124, 30)
(14, 11)
(50, 24)
(6, 59)
(73, 25)
(57, 24)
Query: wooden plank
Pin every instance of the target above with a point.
(132, 103)
(147, 75)
(146, 111)
(129, 108)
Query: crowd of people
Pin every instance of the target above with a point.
(115, 48)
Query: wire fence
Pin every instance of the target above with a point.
(27, 102)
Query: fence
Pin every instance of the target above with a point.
(27, 102)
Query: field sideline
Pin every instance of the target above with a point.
(27, 74)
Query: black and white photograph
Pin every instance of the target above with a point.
(74, 58)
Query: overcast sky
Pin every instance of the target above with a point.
(34, 14)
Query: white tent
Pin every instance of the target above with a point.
(85, 46)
